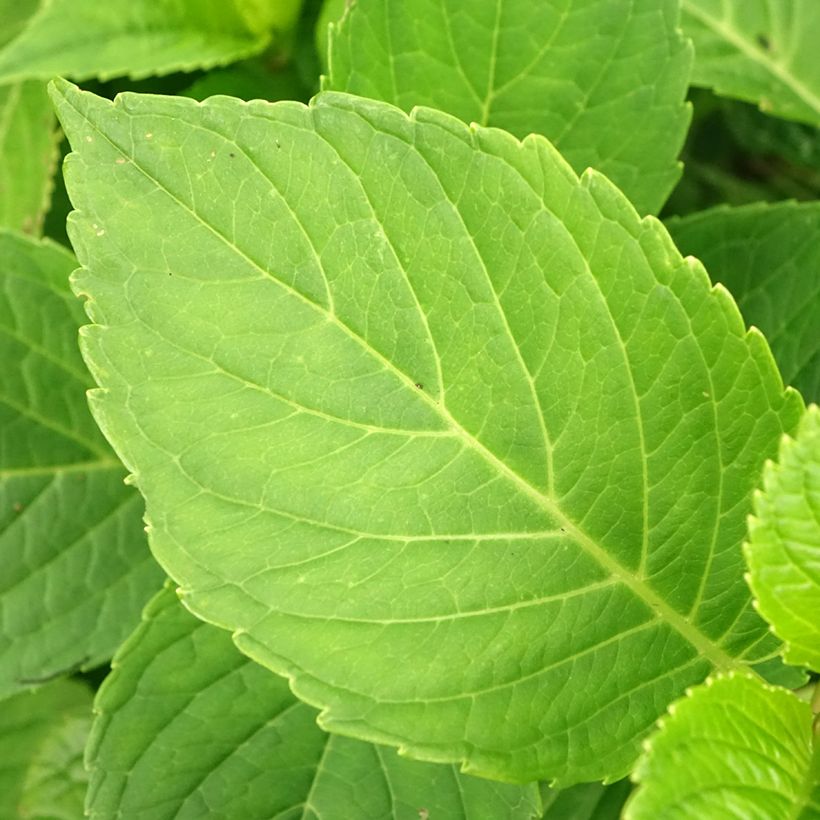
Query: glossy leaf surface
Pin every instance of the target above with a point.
(734, 748)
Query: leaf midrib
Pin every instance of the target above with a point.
(708, 649)
(756, 55)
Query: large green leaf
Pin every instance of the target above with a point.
(76, 566)
(734, 748)
(188, 727)
(605, 81)
(784, 546)
(32, 725)
(86, 38)
(768, 256)
(763, 51)
(28, 153)
(440, 430)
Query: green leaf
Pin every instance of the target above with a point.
(767, 256)
(784, 544)
(480, 432)
(188, 727)
(86, 38)
(28, 153)
(586, 801)
(762, 51)
(604, 81)
(76, 567)
(30, 723)
(732, 748)
(56, 781)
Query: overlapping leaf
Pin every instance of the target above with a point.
(439, 429)
(768, 256)
(605, 80)
(763, 51)
(86, 38)
(76, 566)
(784, 546)
(188, 727)
(41, 741)
(732, 748)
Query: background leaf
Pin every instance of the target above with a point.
(85, 38)
(763, 51)
(605, 81)
(76, 566)
(784, 544)
(56, 781)
(28, 153)
(768, 257)
(732, 748)
(32, 726)
(483, 435)
(188, 727)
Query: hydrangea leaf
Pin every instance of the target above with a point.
(76, 565)
(767, 256)
(784, 544)
(29, 723)
(85, 38)
(188, 727)
(605, 81)
(734, 747)
(435, 427)
(761, 51)
(28, 154)
(56, 781)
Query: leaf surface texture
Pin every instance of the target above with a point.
(762, 51)
(733, 748)
(40, 732)
(605, 80)
(76, 565)
(86, 38)
(768, 257)
(784, 544)
(435, 426)
(188, 727)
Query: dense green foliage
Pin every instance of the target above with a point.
(461, 395)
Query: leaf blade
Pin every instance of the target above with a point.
(561, 73)
(76, 565)
(28, 146)
(784, 544)
(745, 746)
(761, 253)
(758, 51)
(488, 507)
(84, 39)
(227, 737)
